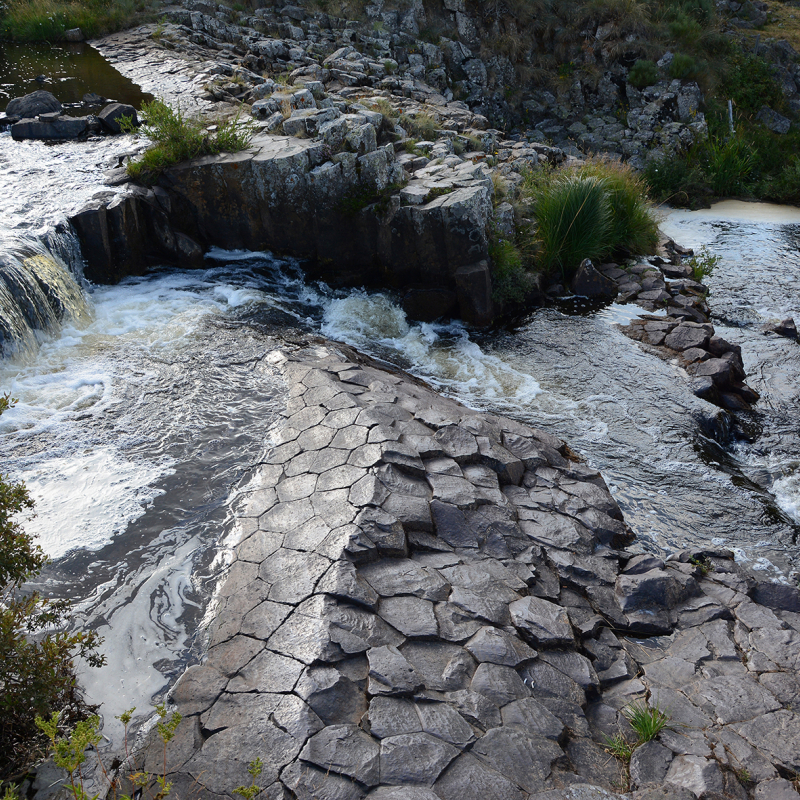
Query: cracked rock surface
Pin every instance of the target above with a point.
(434, 603)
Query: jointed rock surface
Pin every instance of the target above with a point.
(432, 603)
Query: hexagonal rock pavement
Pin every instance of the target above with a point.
(432, 603)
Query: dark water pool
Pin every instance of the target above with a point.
(69, 71)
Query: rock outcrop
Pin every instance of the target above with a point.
(432, 602)
(356, 218)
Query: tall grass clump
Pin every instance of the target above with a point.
(573, 216)
(177, 138)
(632, 229)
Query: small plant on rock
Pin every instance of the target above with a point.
(648, 721)
(702, 264)
(252, 791)
(177, 138)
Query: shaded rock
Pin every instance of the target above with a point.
(469, 778)
(502, 685)
(414, 758)
(391, 673)
(649, 764)
(588, 282)
(526, 759)
(700, 775)
(534, 718)
(543, 623)
(111, 115)
(33, 104)
(346, 750)
(771, 119)
(498, 647)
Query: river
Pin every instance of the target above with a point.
(142, 418)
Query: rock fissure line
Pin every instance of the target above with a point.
(431, 602)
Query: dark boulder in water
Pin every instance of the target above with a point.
(33, 104)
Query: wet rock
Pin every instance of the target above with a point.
(785, 328)
(112, 114)
(52, 129)
(588, 282)
(33, 104)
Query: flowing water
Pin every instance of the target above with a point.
(144, 408)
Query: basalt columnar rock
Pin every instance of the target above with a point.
(357, 218)
(429, 602)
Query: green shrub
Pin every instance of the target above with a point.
(729, 164)
(177, 138)
(682, 66)
(511, 281)
(643, 73)
(37, 674)
(677, 180)
(573, 218)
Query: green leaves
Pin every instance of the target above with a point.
(178, 138)
(36, 673)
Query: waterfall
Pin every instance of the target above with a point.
(41, 282)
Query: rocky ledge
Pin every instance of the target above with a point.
(433, 603)
(682, 331)
(357, 216)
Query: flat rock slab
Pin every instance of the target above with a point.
(421, 607)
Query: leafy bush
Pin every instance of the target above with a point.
(682, 66)
(37, 673)
(573, 218)
(177, 138)
(643, 73)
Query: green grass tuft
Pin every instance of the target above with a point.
(573, 218)
(178, 138)
(646, 720)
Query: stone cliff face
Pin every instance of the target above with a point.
(347, 215)
(433, 603)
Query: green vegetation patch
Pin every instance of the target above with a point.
(37, 674)
(47, 20)
(178, 138)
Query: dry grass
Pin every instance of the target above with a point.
(783, 22)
